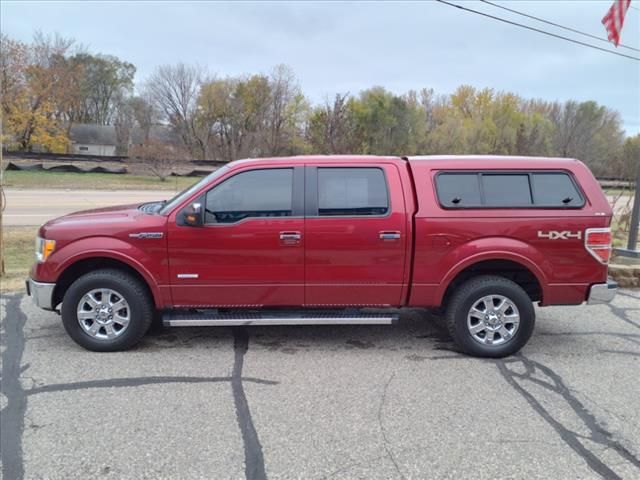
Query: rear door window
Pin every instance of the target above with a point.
(352, 192)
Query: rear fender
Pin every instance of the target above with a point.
(485, 249)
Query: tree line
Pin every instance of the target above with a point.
(52, 83)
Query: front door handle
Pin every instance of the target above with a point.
(290, 238)
(389, 235)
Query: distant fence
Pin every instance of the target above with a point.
(70, 168)
(61, 157)
(71, 157)
(614, 183)
(39, 167)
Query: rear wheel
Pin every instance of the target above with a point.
(490, 316)
(107, 310)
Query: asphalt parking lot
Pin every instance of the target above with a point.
(324, 402)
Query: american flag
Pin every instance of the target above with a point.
(614, 19)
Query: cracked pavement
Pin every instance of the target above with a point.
(321, 402)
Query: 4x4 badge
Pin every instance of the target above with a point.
(555, 235)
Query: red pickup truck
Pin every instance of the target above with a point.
(336, 240)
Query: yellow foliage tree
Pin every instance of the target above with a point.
(28, 126)
(34, 79)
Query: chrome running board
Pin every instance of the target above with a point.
(211, 318)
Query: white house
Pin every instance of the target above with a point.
(88, 139)
(92, 139)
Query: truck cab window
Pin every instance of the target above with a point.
(255, 193)
(352, 192)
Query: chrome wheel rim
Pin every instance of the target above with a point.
(103, 314)
(493, 320)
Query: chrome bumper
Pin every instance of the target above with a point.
(602, 292)
(42, 293)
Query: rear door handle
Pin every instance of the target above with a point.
(389, 235)
(290, 238)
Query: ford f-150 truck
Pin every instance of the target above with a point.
(336, 240)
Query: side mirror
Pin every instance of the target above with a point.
(192, 215)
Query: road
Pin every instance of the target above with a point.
(35, 207)
(324, 402)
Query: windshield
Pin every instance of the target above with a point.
(186, 193)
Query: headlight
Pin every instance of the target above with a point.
(44, 248)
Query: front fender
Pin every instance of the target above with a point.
(146, 261)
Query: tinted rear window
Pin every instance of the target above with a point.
(492, 189)
(352, 191)
(506, 190)
(555, 190)
(458, 189)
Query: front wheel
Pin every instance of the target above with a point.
(490, 316)
(107, 310)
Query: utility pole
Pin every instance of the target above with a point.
(2, 205)
(632, 243)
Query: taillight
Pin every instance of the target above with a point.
(597, 241)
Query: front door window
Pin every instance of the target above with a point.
(256, 193)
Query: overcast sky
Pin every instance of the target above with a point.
(346, 47)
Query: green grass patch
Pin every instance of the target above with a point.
(94, 181)
(614, 192)
(19, 245)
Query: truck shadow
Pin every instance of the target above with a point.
(417, 329)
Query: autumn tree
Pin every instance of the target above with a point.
(625, 165)
(38, 84)
(331, 127)
(385, 123)
(101, 85)
(235, 111)
(255, 115)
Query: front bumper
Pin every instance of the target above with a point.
(42, 293)
(602, 292)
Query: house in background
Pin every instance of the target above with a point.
(102, 140)
(89, 139)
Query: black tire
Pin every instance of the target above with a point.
(132, 290)
(468, 294)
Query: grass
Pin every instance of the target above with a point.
(19, 241)
(618, 191)
(19, 255)
(93, 181)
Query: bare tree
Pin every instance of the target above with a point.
(159, 159)
(286, 104)
(124, 122)
(174, 90)
(145, 113)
